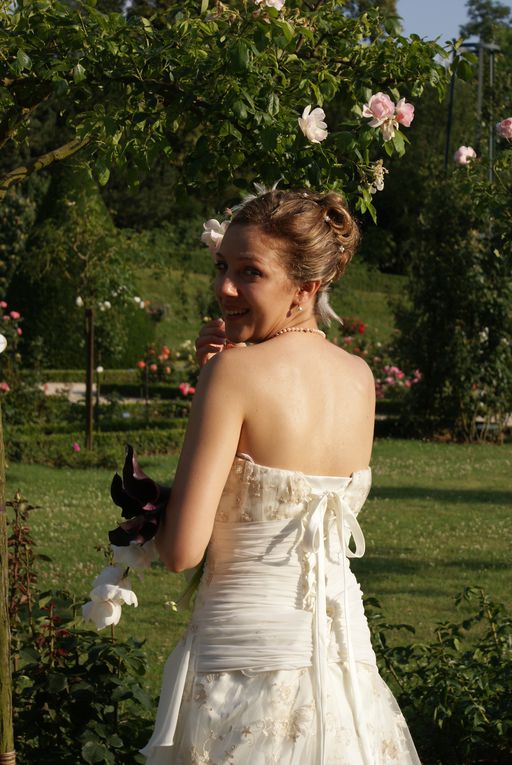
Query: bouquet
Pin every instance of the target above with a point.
(142, 502)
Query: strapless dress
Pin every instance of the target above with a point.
(276, 666)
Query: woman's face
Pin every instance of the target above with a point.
(254, 291)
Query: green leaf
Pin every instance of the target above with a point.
(57, 683)
(240, 56)
(239, 109)
(204, 6)
(94, 751)
(103, 175)
(78, 73)
(24, 61)
(273, 104)
(399, 143)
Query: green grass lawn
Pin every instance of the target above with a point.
(438, 519)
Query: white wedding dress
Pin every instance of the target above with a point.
(276, 667)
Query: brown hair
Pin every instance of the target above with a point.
(318, 233)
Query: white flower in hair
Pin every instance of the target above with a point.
(312, 124)
(213, 233)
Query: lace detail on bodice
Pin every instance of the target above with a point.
(255, 493)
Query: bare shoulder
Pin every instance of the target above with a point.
(356, 366)
(227, 369)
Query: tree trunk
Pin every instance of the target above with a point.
(7, 755)
(89, 406)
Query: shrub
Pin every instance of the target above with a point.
(66, 450)
(77, 696)
(455, 692)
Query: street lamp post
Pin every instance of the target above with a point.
(481, 47)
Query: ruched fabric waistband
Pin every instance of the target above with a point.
(252, 591)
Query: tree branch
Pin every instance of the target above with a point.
(40, 163)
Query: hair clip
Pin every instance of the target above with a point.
(341, 248)
(327, 219)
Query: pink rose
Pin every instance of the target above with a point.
(3, 304)
(186, 389)
(15, 315)
(19, 331)
(404, 113)
(380, 108)
(464, 155)
(153, 368)
(141, 364)
(75, 447)
(6, 318)
(167, 370)
(504, 129)
(5, 387)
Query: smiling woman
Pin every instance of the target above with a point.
(277, 664)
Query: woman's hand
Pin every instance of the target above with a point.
(212, 340)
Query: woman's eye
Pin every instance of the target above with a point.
(252, 272)
(220, 266)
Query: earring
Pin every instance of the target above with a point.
(299, 308)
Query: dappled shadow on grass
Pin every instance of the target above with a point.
(474, 496)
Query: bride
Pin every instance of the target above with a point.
(276, 665)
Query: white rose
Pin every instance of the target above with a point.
(79, 302)
(213, 233)
(312, 124)
(3, 343)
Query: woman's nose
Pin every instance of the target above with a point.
(225, 286)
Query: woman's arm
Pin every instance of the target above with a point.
(209, 448)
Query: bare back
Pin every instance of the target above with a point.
(309, 406)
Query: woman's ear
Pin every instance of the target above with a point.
(307, 291)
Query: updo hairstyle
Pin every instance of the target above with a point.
(318, 235)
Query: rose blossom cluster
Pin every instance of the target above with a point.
(504, 128)
(386, 115)
(394, 377)
(156, 362)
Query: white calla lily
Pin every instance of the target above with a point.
(109, 575)
(136, 555)
(103, 613)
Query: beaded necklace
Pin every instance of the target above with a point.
(297, 329)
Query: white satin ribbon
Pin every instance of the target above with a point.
(314, 542)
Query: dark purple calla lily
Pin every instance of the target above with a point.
(142, 501)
